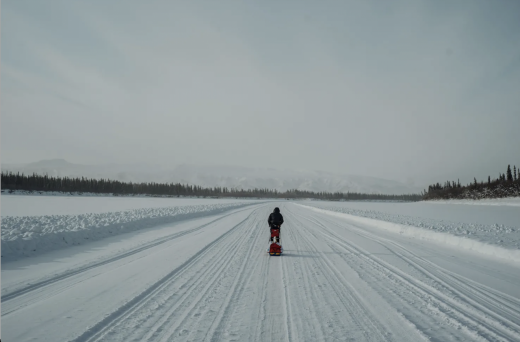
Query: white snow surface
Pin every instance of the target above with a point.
(507, 201)
(342, 277)
(34, 235)
(491, 230)
(58, 203)
(429, 210)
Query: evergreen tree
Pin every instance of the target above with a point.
(509, 174)
(10, 181)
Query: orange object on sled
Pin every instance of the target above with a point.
(275, 232)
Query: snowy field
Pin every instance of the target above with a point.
(468, 211)
(490, 229)
(32, 225)
(58, 204)
(197, 270)
(510, 201)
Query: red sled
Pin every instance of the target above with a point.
(275, 249)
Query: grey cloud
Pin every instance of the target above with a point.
(408, 90)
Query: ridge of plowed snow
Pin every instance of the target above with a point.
(506, 201)
(33, 235)
(494, 240)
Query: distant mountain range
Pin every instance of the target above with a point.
(224, 176)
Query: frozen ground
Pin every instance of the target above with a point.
(210, 278)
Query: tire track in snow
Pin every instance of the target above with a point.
(411, 293)
(462, 316)
(215, 330)
(247, 294)
(203, 300)
(289, 323)
(151, 296)
(261, 304)
(305, 274)
(231, 309)
(496, 306)
(221, 321)
(365, 325)
(456, 289)
(63, 276)
(274, 320)
(506, 304)
(342, 311)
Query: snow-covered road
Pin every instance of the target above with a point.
(210, 279)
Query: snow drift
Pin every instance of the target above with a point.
(33, 235)
(493, 240)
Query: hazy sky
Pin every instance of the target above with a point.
(392, 89)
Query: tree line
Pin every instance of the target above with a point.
(42, 183)
(505, 185)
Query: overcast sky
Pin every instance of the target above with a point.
(392, 89)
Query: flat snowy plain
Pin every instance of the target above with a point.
(197, 270)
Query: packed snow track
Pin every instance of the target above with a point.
(210, 279)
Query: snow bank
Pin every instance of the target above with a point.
(494, 240)
(488, 215)
(507, 201)
(33, 235)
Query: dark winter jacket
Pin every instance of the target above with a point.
(275, 218)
